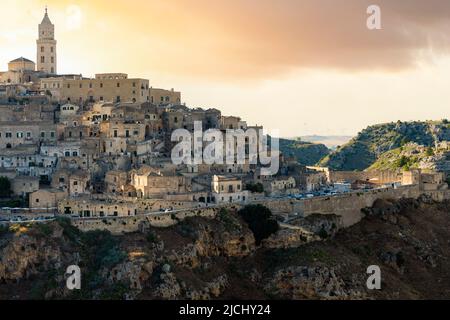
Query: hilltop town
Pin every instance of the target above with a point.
(96, 148)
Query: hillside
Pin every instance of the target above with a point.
(365, 149)
(306, 153)
(414, 156)
(218, 259)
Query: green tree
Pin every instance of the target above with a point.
(5, 187)
(429, 152)
(260, 220)
(252, 187)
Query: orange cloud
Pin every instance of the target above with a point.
(256, 38)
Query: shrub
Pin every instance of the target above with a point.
(5, 187)
(70, 231)
(3, 230)
(323, 233)
(260, 220)
(230, 222)
(151, 237)
(44, 228)
(252, 187)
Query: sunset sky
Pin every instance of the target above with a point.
(299, 66)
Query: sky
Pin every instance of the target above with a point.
(298, 66)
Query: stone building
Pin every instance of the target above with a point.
(164, 97)
(97, 208)
(13, 134)
(280, 185)
(46, 198)
(20, 70)
(150, 182)
(23, 185)
(116, 181)
(228, 189)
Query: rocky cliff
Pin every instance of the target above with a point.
(203, 258)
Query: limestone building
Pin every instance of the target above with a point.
(164, 97)
(105, 87)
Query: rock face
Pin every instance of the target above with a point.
(203, 258)
(303, 282)
(22, 256)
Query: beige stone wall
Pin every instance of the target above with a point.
(97, 208)
(95, 90)
(24, 185)
(375, 176)
(46, 198)
(161, 96)
(348, 206)
(13, 134)
(132, 224)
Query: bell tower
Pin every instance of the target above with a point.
(46, 46)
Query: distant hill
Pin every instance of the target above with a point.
(367, 147)
(414, 156)
(331, 142)
(306, 153)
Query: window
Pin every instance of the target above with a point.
(127, 133)
(68, 86)
(51, 49)
(101, 85)
(90, 85)
(75, 183)
(118, 98)
(52, 134)
(81, 85)
(118, 85)
(8, 135)
(52, 59)
(42, 134)
(42, 49)
(37, 200)
(19, 135)
(75, 154)
(115, 133)
(134, 84)
(42, 59)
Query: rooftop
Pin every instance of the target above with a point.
(21, 59)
